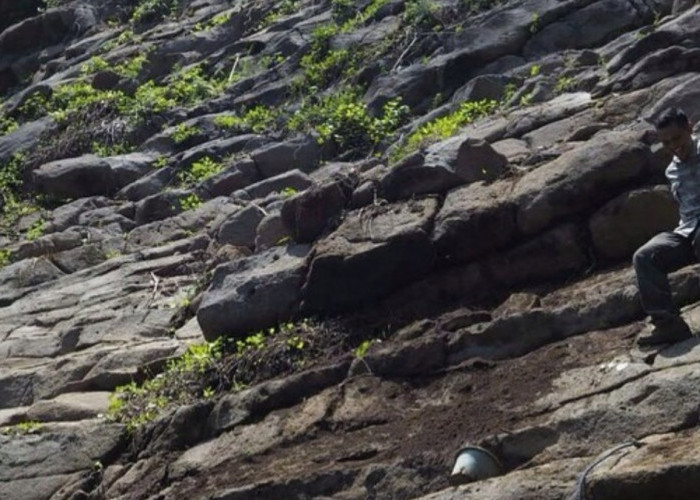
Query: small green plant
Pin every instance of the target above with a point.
(183, 132)
(132, 67)
(136, 405)
(344, 119)
(564, 84)
(152, 10)
(258, 119)
(7, 124)
(361, 350)
(508, 93)
(253, 341)
(199, 171)
(288, 192)
(534, 70)
(5, 256)
(212, 23)
(420, 12)
(190, 202)
(446, 126)
(105, 150)
(283, 8)
(160, 162)
(526, 99)
(183, 88)
(22, 428)
(94, 65)
(36, 230)
(535, 23)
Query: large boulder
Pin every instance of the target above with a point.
(647, 470)
(86, 175)
(447, 164)
(240, 228)
(293, 179)
(237, 176)
(130, 167)
(580, 180)
(374, 251)
(547, 256)
(473, 221)
(306, 215)
(589, 26)
(302, 153)
(628, 221)
(253, 293)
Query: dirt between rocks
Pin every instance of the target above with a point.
(427, 419)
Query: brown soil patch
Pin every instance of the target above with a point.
(463, 405)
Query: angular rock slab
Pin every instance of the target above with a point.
(665, 466)
(254, 292)
(628, 221)
(374, 251)
(579, 179)
(86, 175)
(474, 220)
(53, 450)
(448, 164)
(552, 481)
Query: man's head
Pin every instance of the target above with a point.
(675, 133)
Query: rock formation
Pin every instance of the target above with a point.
(308, 249)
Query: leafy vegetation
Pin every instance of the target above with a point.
(15, 206)
(258, 119)
(199, 171)
(179, 384)
(5, 257)
(564, 84)
(36, 230)
(208, 369)
(190, 202)
(183, 132)
(342, 118)
(22, 428)
(446, 126)
(212, 23)
(154, 10)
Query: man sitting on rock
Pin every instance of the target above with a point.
(672, 250)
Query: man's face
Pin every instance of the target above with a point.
(677, 140)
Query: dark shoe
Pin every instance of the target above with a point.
(666, 331)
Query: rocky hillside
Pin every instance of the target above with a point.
(309, 248)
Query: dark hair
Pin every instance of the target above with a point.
(672, 116)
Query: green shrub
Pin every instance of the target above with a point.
(7, 124)
(344, 119)
(258, 119)
(199, 171)
(183, 132)
(5, 256)
(131, 67)
(190, 202)
(564, 84)
(420, 12)
(153, 10)
(447, 126)
(36, 230)
(212, 23)
(94, 65)
(179, 384)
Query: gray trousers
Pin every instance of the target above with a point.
(664, 253)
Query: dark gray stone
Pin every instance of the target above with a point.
(253, 293)
(86, 175)
(240, 228)
(302, 153)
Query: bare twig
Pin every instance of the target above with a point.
(403, 54)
